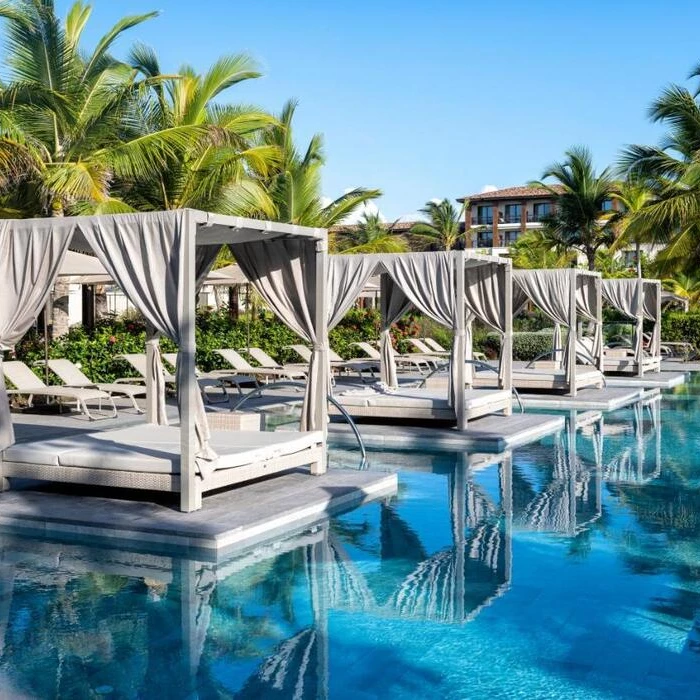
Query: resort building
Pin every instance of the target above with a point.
(496, 219)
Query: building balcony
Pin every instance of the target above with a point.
(482, 220)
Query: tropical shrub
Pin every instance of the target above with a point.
(526, 345)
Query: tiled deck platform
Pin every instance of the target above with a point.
(231, 518)
(651, 380)
(490, 433)
(606, 399)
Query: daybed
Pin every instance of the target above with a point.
(148, 457)
(420, 404)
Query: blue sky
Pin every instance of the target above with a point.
(438, 99)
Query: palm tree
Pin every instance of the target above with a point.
(442, 231)
(579, 221)
(372, 235)
(538, 250)
(686, 286)
(66, 115)
(672, 171)
(295, 185)
(633, 196)
(217, 171)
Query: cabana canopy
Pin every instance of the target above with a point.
(453, 288)
(639, 299)
(160, 259)
(565, 295)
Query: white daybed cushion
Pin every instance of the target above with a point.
(156, 449)
(420, 398)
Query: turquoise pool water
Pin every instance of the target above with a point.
(570, 569)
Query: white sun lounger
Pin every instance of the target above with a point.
(148, 457)
(337, 362)
(264, 360)
(27, 384)
(216, 379)
(241, 365)
(71, 375)
(139, 363)
(420, 362)
(421, 404)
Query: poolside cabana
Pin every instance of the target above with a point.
(452, 288)
(639, 300)
(159, 259)
(567, 296)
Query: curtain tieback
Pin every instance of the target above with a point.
(318, 347)
(462, 333)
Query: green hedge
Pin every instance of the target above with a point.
(677, 326)
(526, 346)
(96, 350)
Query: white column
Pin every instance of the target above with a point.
(321, 330)
(460, 259)
(190, 489)
(507, 346)
(572, 333)
(639, 338)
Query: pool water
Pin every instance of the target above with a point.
(567, 569)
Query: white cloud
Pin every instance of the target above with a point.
(488, 188)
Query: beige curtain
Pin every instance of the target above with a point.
(145, 254)
(284, 273)
(30, 257)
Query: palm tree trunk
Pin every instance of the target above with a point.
(590, 256)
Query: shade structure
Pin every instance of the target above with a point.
(452, 288)
(159, 259)
(639, 300)
(565, 296)
(79, 268)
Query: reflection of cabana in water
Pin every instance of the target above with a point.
(566, 296)
(629, 462)
(178, 606)
(572, 498)
(159, 259)
(639, 300)
(452, 288)
(454, 584)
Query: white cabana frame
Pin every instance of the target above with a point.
(567, 296)
(639, 299)
(184, 243)
(453, 288)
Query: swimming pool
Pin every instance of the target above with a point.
(569, 568)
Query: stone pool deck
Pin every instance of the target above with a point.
(229, 519)
(651, 380)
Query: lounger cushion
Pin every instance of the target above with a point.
(156, 449)
(128, 389)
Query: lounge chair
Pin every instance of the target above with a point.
(138, 361)
(429, 346)
(420, 362)
(264, 360)
(71, 375)
(27, 384)
(216, 379)
(337, 362)
(241, 365)
(435, 346)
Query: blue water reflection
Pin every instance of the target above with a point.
(569, 568)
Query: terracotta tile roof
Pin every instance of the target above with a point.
(522, 192)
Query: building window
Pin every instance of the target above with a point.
(484, 239)
(607, 205)
(484, 215)
(510, 237)
(512, 213)
(540, 210)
